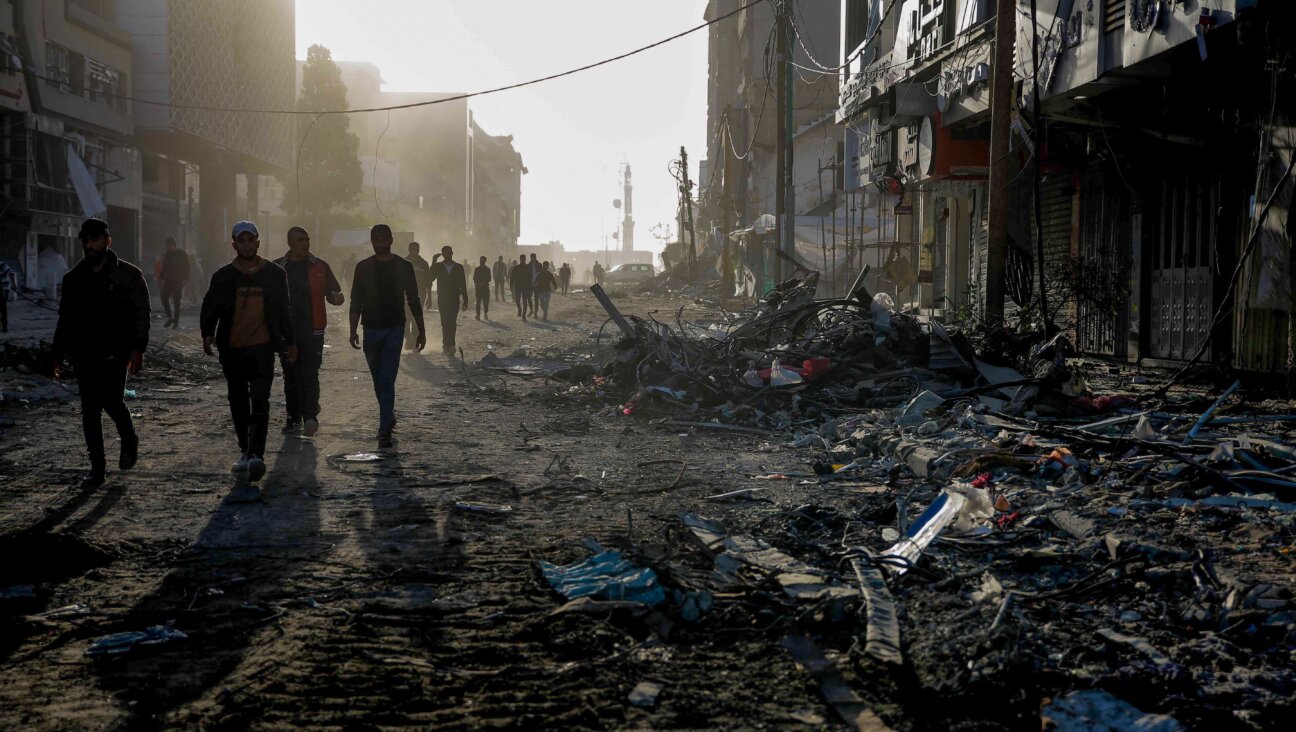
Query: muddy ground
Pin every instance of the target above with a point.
(355, 595)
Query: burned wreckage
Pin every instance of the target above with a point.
(987, 528)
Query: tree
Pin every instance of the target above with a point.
(328, 175)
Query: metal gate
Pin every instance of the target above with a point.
(1102, 272)
(1183, 247)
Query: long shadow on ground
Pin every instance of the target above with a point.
(223, 595)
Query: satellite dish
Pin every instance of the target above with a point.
(616, 203)
(926, 147)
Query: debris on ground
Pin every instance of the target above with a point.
(119, 643)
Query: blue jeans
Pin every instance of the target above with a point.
(382, 349)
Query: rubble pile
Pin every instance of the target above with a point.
(977, 526)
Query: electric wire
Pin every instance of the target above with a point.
(424, 103)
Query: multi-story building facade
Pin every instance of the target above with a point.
(497, 194)
(1156, 135)
(196, 64)
(66, 134)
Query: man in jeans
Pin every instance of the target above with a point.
(246, 317)
(310, 284)
(383, 286)
(103, 328)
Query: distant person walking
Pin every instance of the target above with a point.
(452, 289)
(384, 286)
(246, 318)
(422, 273)
(174, 275)
(103, 329)
(598, 274)
(500, 274)
(520, 278)
(533, 268)
(7, 278)
(481, 283)
(311, 284)
(348, 271)
(545, 283)
(564, 277)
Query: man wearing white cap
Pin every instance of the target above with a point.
(245, 316)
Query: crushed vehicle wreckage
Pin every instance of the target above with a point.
(978, 516)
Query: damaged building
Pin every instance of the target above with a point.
(1160, 138)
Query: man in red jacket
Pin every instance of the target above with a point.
(311, 284)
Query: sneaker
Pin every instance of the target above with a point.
(129, 452)
(384, 440)
(292, 425)
(256, 469)
(310, 427)
(240, 465)
(93, 479)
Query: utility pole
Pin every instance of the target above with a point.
(784, 208)
(1001, 97)
(686, 192)
(726, 209)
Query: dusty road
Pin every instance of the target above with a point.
(354, 595)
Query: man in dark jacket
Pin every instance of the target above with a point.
(246, 316)
(482, 288)
(103, 328)
(452, 289)
(520, 278)
(500, 276)
(311, 284)
(383, 287)
(173, 276)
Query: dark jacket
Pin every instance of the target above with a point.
(309, 313)
(520, 277)
(500, 271)
(482, 275)
(451, 284)
(102, 314)
(246, 310)
(380, 302)
(175, 268)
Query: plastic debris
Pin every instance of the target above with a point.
(645, 694)
(1098, 711)
(118, 643)
(607, 576)
(482, 507)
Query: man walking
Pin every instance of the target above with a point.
(452, 289)
(564, 277)
(544, 288)
(245, 316)
(7, 277)
(310, 284)
(103, 329)
(533, 269)
(520, 278)
(598, 274)
(481, 284)
(383, 287)
(499, 273)
(422, 272)
(174, 274)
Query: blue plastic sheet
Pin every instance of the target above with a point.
(607, 576)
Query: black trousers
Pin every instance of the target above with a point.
(171, 301)
(4, 310)
(523, 299)
(301, 377)
(449, 324)
(102, 383)
(249, 373)
(499, 289)
(483, 300)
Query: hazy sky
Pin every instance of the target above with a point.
(573, 133)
